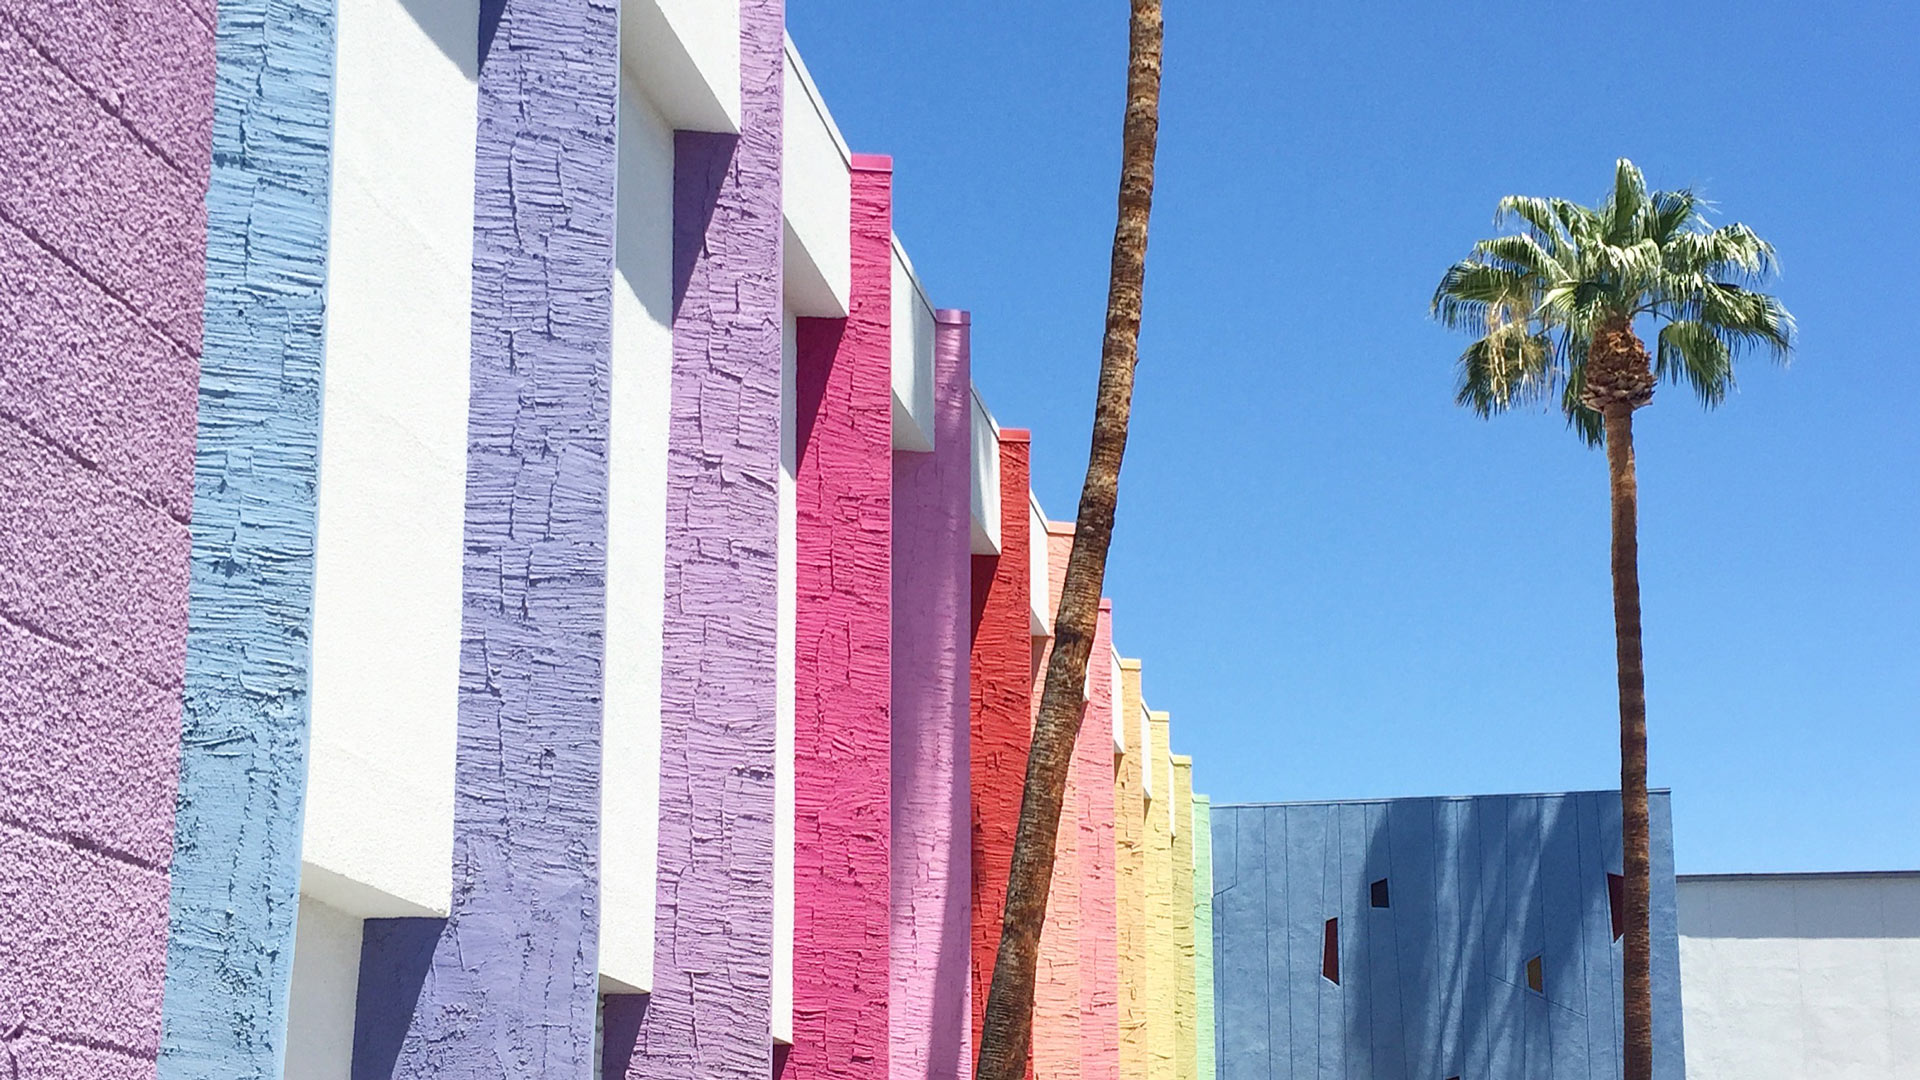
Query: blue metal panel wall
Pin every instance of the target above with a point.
(1434, 985)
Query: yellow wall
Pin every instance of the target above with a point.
(1184, 1004)
(1162, 950)
(1130, 871)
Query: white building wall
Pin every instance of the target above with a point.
(912, 357)
(686, 56)
(985, 463)
(386, 644)
(1787, 977)
(636, 542)
(326, 973)
(786, 606)
(815, 197)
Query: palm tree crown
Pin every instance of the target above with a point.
(1552, 302)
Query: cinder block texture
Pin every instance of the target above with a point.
(1436, 982)
(236, 859)
(930, 1007)
(1001, 671)
(511, 986)
(105, 114)
(710, 1014)
(842, 663)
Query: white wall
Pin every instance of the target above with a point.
(686, 56)
(636, 542)
(786, 607)
(386, 624)
(985, 462)
(815, 200)
(1118, 717)
(912, 357)
(1040, 609)
(1787, 977)
(326, 971)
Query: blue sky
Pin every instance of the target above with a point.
(1341, 584)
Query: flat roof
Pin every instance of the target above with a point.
(1614, 792)
(1828, 875)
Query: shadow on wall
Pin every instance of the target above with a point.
(1422, 939)
(450, 24)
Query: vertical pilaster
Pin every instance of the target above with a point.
(842, 662)
(710, 1013)
(1058, 977)
(1001, 673)
(1099, 929)
(1130, 877)
(1162, 953)
(929, 1010)
(236, 858)
(506, 984)
(1185, 1033)
(1203, 937)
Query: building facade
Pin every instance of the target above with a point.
(504, 571)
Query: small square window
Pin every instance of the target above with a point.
(1536, 977)
(1617, 904)
(1379, 892)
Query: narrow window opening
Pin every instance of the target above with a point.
(1380, 893)
(1536, 978)
(1330, 958)
(1617, 904)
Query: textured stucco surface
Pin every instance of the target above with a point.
(709, 1015)
(105, 115)
(842, 662)
(236, 858)
(1435, 983)
(930, 1006)
(1001, 710)
(1185, 1031)
(1163, 967)
(1130, 880)
(1056, 991)
(510, 987)
(1203, 937)
(1093, 773)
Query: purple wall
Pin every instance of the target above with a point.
(105, 119)
(932, 874)
(510, 988)
(709, 1015)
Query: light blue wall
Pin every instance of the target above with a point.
(1433, 986)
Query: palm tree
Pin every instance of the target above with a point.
(1555, 307)
(1008, 1026)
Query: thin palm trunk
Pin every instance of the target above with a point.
(1008, 1027)
(1635, 837)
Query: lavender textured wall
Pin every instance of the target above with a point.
(105, 117)
(710, 1012)
(932, 995)
(236, 858)
(508, 984)
(842, 659)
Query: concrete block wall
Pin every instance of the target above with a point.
(105, 125)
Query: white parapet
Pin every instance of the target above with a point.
(1119, 721)
(912, 357)
(816, 189)
(786, 611)
(986, 478)
(386, 621)
(1039, 570)
(686, 56)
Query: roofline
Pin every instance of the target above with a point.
(1433, 798)
(1818, 875)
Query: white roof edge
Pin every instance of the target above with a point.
(818, 102)
(900, 252)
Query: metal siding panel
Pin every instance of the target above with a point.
(1336, 901)
(1564, 951)
(1669, 1047)
(1472, 1058)
(1306, 926)
(1388, 1036)
(1450, 940)
(1410, 824)
(1529, 933)
(1602, 1057)
(1241, 925)
(1357, 925)
(1505, 1034)
(1610, 846)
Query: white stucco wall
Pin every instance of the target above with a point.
(386, 623)
(1788, 977)
(326, 972)
(636, 541)
(786, 608)
(985, 461)
(816, 190)
(686, 56)
(912, 357)
(1039, 570)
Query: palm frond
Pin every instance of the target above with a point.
(1692, 351)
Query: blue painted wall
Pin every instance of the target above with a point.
(1434, 985)
(243, 751)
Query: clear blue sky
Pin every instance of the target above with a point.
(1341, 584)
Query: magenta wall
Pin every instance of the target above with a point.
(932, 994)
(105, 120)
(842, 666)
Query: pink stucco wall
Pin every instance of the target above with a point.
(931, 992)
(105, 124)
(842, 661)
(1056, 991)
(1092, 778)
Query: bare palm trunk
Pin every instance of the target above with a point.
(1636, 838)
(1008, 1031)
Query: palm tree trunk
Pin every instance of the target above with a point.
(1008, 1026)
(1635, 833)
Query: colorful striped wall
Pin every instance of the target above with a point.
(591, 625)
